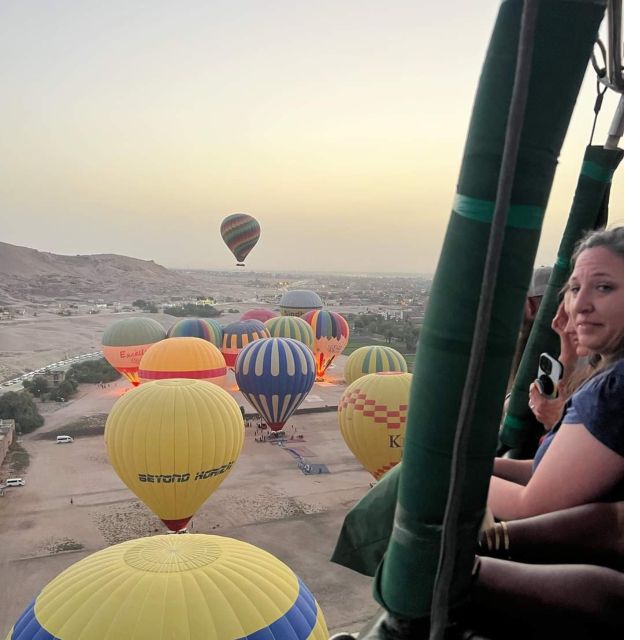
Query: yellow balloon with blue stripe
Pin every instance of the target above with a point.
(191, 587)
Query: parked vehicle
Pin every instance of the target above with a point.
(15, 482)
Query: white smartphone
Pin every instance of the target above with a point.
(550, 373)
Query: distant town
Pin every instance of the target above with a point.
(394, 297)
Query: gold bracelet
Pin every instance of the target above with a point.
(505, 534)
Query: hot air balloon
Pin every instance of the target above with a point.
(259, 314)
(373, 414)
(183, 358)
(172, 442)
(330, 337)
(125, 341)
(371, 360)
(197, 328)
(239, 334)
(217, 330)
(240, 233)
(290, 327)
(299, 301)
(193, 586)
(275, 375)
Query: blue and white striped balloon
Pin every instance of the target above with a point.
(275, 375)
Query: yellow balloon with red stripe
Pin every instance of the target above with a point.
(172, 442)
(373, 415)
(183, 358)
(193, 586)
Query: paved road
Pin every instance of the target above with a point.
(16, 383)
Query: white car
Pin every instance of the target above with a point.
(14, 482)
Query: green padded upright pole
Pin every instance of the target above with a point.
(520, 430)
(564, 39)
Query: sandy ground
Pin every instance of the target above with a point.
(31, 342)
(266, 500)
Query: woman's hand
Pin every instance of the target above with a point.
(546, 410)
(565, 329)
(560, 321)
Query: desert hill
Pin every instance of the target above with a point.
(28, 275)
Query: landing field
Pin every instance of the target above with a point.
(74, 504)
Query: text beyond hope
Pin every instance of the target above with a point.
(168, 478)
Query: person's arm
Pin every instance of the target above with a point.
(590, 534)
(573, 598)
(518, 471)
(576, 469)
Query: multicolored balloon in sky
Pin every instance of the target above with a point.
(194, 586)
(240, 233)
(172, 442)
(193, 358)
(291, 327)
(330, 337)
(373, 359)
(373, 415)
(125, 342)
(275, 375)
(237, 335)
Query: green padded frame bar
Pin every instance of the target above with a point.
(566, 32)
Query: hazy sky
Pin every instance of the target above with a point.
(135, 127)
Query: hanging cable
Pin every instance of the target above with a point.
(597, 106)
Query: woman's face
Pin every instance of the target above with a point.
(596, 300)
(571, 331)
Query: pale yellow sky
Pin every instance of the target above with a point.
(136, 127)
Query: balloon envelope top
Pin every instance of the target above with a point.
(125, 342)
(291, 327)
(237, 335)
(298, 301)
(258, 314)
(130, 332)
(240, 233)
(196, 328)
(172, 442)
(183, 358)
(373, 359)
(192, 586)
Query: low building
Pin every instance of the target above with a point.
(53, 376)
(7, 436)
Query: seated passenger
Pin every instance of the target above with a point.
(581, 460)
(577, 365)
